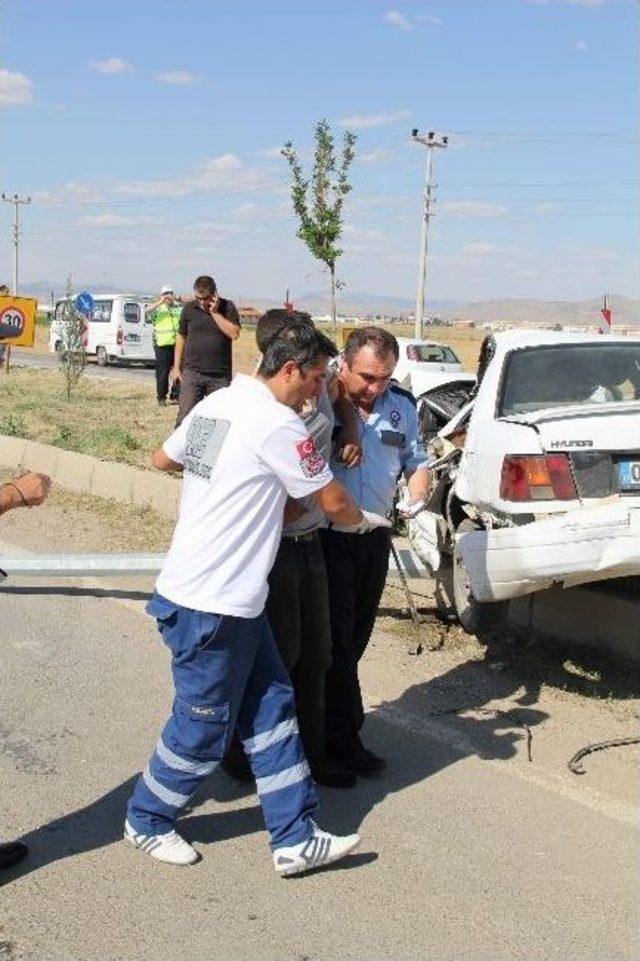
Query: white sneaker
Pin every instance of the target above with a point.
(170, 848)
(320, 849)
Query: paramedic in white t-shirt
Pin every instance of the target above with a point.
(243, 450)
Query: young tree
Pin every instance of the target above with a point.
(72, 350)
(318, 202)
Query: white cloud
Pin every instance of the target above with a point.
(378, 155)
(573, 3)
(245, 211)
(362, 121)
(429, 18)
(376, 200)
(472, 208)
(113, 65)
(70, 193)
(397, 19)
(223, 174)
(581, 46)
(115, 220)
(363, 233)
(588, 255)
(16, 90)
(479, 249)
(177, 77)
(270, 152)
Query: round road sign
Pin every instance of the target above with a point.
(12, 322)
(84, 303)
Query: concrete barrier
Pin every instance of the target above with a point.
(89, 475)
(582, 615)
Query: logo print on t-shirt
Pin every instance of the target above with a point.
(394, 417)
(205, 438)
(311, 462)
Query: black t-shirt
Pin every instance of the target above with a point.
(207, 350)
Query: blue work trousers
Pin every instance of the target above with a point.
(227, 671)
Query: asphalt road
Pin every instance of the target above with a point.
(470, 852)
(130, 372)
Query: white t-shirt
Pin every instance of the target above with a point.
(319, 425)
(242, 453)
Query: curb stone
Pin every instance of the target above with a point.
(89, 475)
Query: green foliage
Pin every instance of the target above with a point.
(72, 355)
(115, 437)
(13, 426)
(109, 443)
(318, 199)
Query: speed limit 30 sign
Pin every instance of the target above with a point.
(17, 321)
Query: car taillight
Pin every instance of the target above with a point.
(120, 336)
(530, 477)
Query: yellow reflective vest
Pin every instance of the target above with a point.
(166, 320)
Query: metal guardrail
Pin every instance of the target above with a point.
(128, 565)
(82, 565)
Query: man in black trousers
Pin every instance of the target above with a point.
(357, 565)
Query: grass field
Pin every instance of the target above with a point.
(121, 421)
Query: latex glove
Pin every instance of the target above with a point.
(408, 508)
(368, 523)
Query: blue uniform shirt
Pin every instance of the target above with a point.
(390, 446)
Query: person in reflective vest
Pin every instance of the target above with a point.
(165, 316)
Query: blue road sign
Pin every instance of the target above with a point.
(84, 303)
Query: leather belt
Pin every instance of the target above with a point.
(301, 538)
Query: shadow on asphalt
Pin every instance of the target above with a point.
(70, 591)
(412, 760)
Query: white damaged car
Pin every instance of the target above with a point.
(424, 364)
(537, 475)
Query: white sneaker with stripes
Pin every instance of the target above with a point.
(320, 849)
(170, 848)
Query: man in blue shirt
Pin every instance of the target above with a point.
(357, 564)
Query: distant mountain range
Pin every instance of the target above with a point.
(519, 312)
(625, 312)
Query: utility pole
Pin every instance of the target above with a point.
(17, 203)
(431, 141)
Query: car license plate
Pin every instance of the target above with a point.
(132, 338)
(629, 475)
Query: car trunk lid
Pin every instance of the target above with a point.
(602, 443)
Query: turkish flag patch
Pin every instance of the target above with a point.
(311, 462)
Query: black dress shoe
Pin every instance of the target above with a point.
(11, 852)
(331, 774)
(356, 757)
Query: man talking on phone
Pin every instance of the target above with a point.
(202, 362)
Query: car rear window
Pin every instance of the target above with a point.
(132, 313)
(102, 311)
(431, 354)
(568, 375)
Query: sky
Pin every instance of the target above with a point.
(148, 133)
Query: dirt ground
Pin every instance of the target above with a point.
(83, 523)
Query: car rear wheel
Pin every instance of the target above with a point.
(474, 617)
(102, 358)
